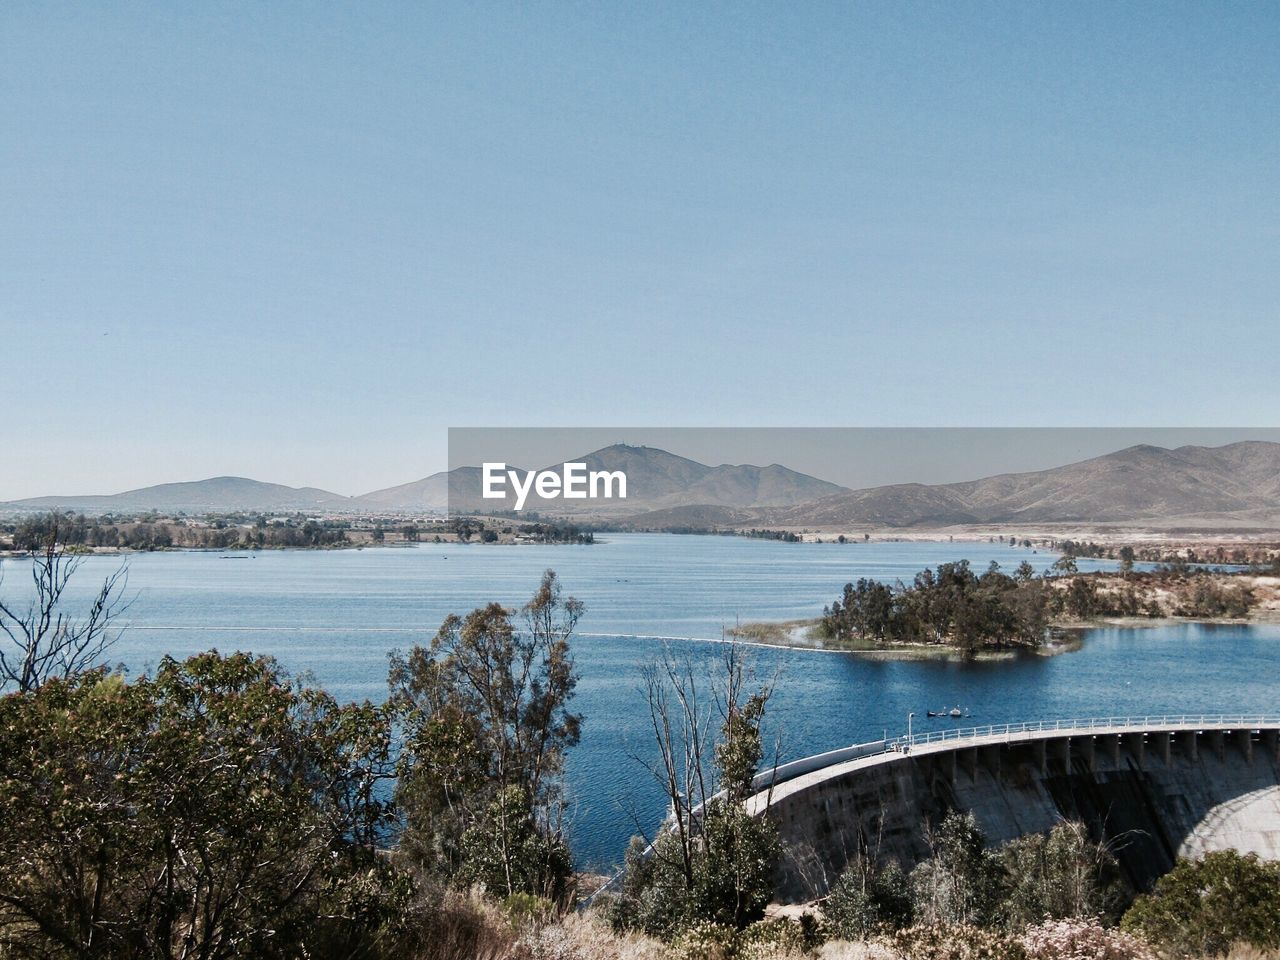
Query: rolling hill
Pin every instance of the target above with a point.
(215, 495)
(1239, 481)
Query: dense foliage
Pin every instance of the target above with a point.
(783, 536)
(222, 809)
(1202, 907)
(1059, 875)
(955, 606)
(556, 533)
(149, 533)
(218, 809)
(869, 898)
(950, 605)
(960, 883)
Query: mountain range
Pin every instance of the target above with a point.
(1238, 483)
(656, 479)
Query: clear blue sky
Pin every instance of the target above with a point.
(297, 242)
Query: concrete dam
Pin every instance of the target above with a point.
(1153, 788)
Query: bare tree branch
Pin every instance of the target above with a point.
(42, 640)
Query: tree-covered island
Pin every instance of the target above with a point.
(953, 609)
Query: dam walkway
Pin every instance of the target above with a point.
(959, 738)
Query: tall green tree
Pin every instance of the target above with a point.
(486, 716)
(1065, 565)
(960, 883)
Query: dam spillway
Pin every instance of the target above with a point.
(1152, 788)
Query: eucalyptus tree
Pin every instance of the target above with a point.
(486, 726)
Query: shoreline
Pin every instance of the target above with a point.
(243, 553)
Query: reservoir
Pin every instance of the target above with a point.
(336, 614)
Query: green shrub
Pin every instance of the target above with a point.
(733, 879)
(961, 882)
(703, 940)
(507, 850)
(1202, 907)
(1058, 875)
(219, 787)
(1211, 600)
(766, 939)
(654, 897)
(956, 942)
(868, 899)
(526, 909)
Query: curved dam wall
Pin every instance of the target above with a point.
(1152, 794)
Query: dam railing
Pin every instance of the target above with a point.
(894, 746)
(1153, 723)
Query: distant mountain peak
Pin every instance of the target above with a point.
(656, 479)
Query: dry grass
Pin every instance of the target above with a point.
(460, 927)
(467, 927)
(586, 937)
(1245, 951)
(844, 950)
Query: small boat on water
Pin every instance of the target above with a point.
(954, 713)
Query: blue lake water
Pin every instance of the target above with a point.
(336, 614)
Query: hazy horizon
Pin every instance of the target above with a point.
(850, 456)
